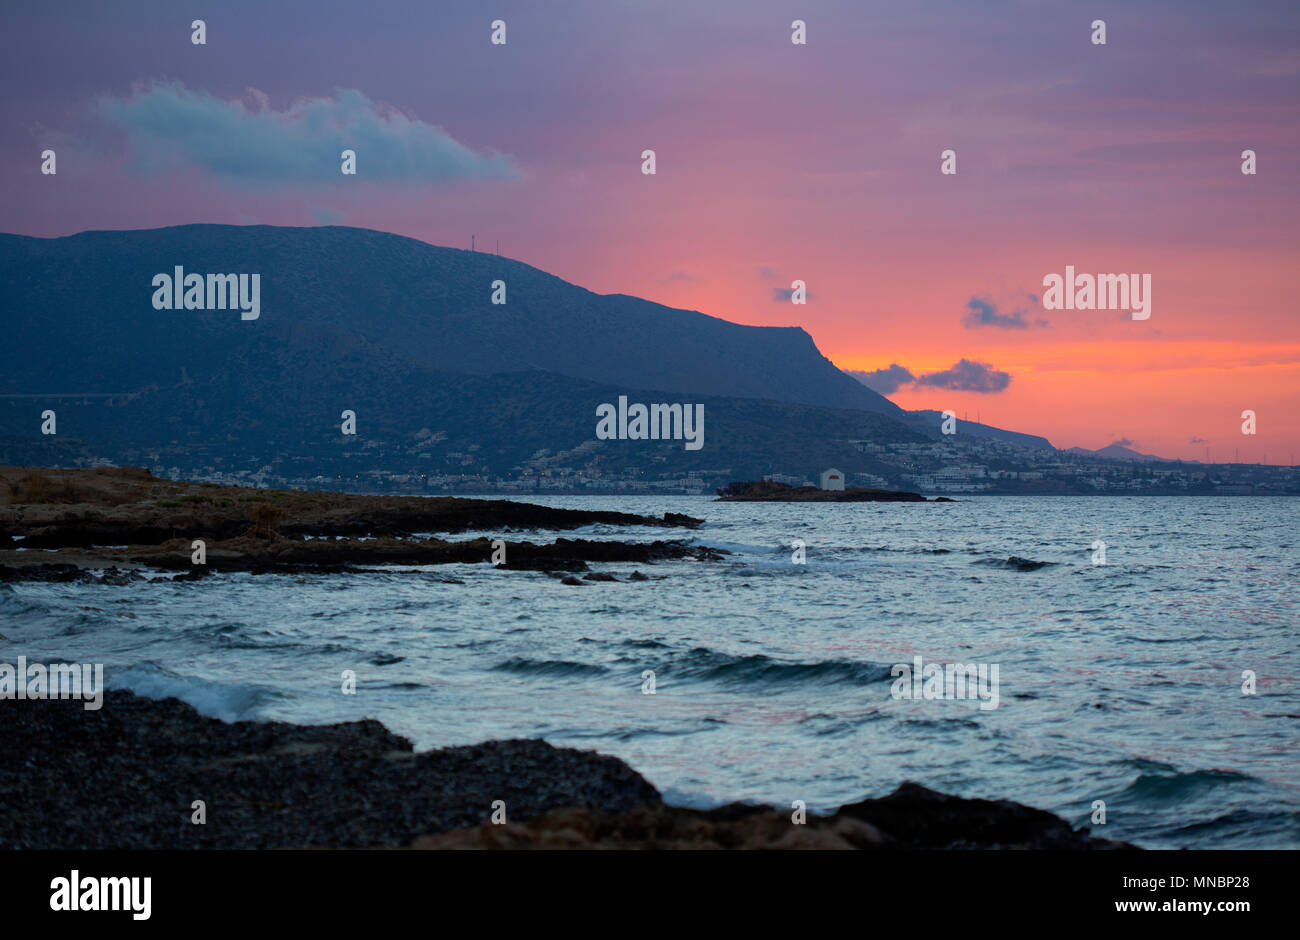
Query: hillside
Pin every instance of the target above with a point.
(79, 315)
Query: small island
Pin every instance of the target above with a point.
(769, 491)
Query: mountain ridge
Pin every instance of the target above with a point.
(1117, 451)
(404, 334)
(437, 310)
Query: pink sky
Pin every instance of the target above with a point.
(775, 162)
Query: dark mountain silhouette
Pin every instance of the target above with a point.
(84, 316)
(420, 420)
(404, 334)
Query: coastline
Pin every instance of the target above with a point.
(126, 777)
(66, 525)
(103, 506)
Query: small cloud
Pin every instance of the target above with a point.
(767, 272)
(784, 294)
(968, 376)
(884, 381)
(982, 312)
(1124, 442)
(678, 277)
(250, 143)
(1198, 440)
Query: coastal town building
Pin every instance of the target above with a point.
(832, 479)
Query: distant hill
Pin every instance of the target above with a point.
(403, 334)
(930, 422)
(1116, 452)
(87, 324)
(422, 420)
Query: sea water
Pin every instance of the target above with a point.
(1119, 682)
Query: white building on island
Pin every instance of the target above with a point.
(832, 479)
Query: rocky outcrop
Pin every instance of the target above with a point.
(125, 518)
(771, 491)
(129, 506)
(912, 817)
(127, 775)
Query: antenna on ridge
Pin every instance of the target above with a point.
(471, 243)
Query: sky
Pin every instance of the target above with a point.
(775, 162)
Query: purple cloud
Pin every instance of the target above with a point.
(968, 376)
(982, 312)
(884, 381)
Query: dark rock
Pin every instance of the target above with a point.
(543, 563)
(922, 818)
(119, 576)
(910, 818)
(124, 777)
(53, 572)
(122, 509)
(769, 491)
(677, 519)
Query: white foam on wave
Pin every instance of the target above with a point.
(739, 548)
(229, 701)
(693, 799)
(690, 799)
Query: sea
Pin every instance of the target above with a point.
(1160, 684)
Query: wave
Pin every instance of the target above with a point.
(1156, 787)
(739, 548)
(936, 724)
(827, 725)
(646, 644)
(1013, 563)
(1279, 828)
(549, 667)
(691, 799)
(744, 548)
(229, 701)
(14, 605)
(706, 665)
(916, 550)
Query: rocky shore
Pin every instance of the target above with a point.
(127, 776)
(120, 520)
